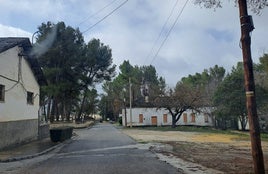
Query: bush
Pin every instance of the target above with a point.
(120, 120)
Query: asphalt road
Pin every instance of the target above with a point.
(102, 149)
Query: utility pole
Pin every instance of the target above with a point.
(125, 112)
(125, 109)
(256, 148)
(130, 102)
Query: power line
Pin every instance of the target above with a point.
(123, 3)
(177, 18)
(100, 10)
(162, 30)
(8, 78)
(103, 17)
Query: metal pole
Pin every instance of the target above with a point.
(125, 108)
(130, 102)
(246, 28)
(125, 112)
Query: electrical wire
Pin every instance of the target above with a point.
(8, 78)
(19, 81)
(102, 19)
(177, 18)
(162, 30)
(12, 87)
(100, 10)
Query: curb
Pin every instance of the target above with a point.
(36, 154)
(13, 159)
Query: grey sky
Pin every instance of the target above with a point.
(200, 39)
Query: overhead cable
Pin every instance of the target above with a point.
(123, 3)
(100, 10)
(177, 18)
(162, 30)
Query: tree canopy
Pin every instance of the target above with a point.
(255, 5)
(144, 81)
(71, 67)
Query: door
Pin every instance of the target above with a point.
(141, 118)
(154, 120)
(165, 118)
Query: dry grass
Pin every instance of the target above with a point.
(229, 153)
(73, 125)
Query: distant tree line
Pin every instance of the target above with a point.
(144, 82)
(218, 93)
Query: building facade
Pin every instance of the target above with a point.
(20, 80)
(162, 117)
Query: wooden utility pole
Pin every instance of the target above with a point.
(256, 148)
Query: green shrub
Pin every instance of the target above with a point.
(120, 120)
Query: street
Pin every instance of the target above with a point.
(101, 149)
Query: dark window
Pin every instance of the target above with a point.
(2, 92)
(30, 98)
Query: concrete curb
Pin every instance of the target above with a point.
(13, 159)
(36, 154)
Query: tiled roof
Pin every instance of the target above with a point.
(10, 42)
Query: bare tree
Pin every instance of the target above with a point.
(255, 5)
(184, 98)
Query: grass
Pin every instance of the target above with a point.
(182, 128)
(239, 134)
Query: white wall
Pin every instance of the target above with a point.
(149, 112)
(15, 106)
(240, 126)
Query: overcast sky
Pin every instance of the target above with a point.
(200, 39)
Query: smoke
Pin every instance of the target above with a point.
(42, 47)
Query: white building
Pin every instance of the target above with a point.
(162, 117)
(20, 80)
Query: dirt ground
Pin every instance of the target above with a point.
(222, 152)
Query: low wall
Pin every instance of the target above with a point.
(17, 132)
(43, 131)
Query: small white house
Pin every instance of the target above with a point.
(20, 80)
(162, 117)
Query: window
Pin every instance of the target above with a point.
(165, 118)
(30, 98)
(193, 117)
(185, 117)
(2, 93)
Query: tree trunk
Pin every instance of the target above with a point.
(45, 113)
(48, 108)
(53, 111)
(173, 121)
(81, 107)
(243, 122)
